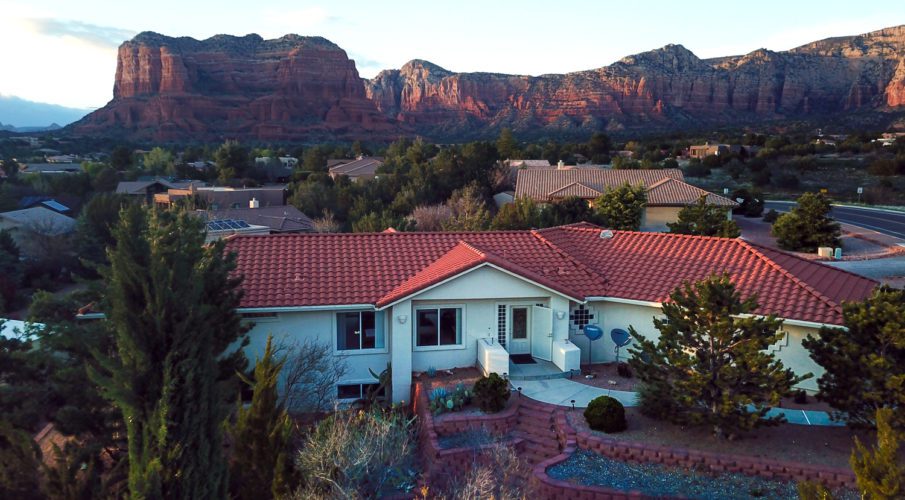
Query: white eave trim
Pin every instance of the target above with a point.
(463, 273)
(658, 305)
(285, 309)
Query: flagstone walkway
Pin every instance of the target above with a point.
(565, 392)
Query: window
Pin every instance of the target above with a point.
(356, 330)
(519, 323)
(438, 327)
(356, 391)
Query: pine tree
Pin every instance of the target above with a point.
(880, 472)
(710, 364)
(522, 213)
(622, 207)
(172, 307)
(808, 226)
(704, 219)
(18, 463)
(261, 436)
(865, 363)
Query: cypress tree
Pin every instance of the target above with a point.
(711, 364)
(172, 308)
(704, 219)
(622, 207)
(880, 472)
(261, 466)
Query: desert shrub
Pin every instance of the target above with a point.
(496, 473)
(761, 178)
(752, 204)
(357, 454)
(757, 165)
(883, 167)
(624, 370)
(697, 169)
(800, 397)
(771, 216)
(605, 414)
(442, 400)
(491, 393)
(786, 180)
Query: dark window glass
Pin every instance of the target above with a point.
(427, 327)
(519, 323)
(368, 330)
(347, 330)
(348, 391)
(449, 326)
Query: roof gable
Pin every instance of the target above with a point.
(674, 192)
(537, 184)
(574, 189)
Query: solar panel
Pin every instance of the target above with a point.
(226, 225)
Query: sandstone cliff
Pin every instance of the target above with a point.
(297, 88)
(184, 89)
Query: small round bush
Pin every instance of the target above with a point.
(491, 393)
(605, 414)
(771, 216)
(624, 370)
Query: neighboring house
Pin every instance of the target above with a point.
(361, 168)
(148, 188)
(62, 159)
(445, 300)
(269, 220)
(286, 161)
(702, 151)
(276, 169)
(216, 198)
(37, 230)
(51, 168)
(667, 191)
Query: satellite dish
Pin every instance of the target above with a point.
(620, 337)
(593, 332)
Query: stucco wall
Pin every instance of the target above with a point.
(610, 315)
(655, 218)
(296, 327)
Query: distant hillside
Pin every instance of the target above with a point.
(20, 115)
(306, 88)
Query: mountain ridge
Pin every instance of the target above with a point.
(302, 88)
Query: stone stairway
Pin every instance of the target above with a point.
(535, 425)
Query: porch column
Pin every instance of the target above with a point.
(401, 322)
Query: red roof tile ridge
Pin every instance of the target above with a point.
(568, 255)
(660, 182)
(785, 272)
(796, 257)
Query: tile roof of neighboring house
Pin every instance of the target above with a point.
(141, 187)
(282, 219)
(41, 220)
(665, 187)
(539, 184)
(673, 192)
(356, 168)
(52, 168)
(379, 268)
(529, 163)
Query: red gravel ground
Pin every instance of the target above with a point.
(830, 446)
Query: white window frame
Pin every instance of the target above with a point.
(444, 347)
(361, 391)
(357, 352)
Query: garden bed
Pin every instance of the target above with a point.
(472, 438)
(824, 446)
(604, 374)
(590, 469)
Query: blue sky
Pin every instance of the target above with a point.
(64, 51)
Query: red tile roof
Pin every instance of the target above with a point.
(675, 193)
(380, 268)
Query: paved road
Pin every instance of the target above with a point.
(883, 221)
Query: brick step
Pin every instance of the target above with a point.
(540, 450)
(536, 433)
(534, 413)
(529, 404)
(547, 443)
(536, 424)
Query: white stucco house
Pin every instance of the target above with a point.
(446, 300)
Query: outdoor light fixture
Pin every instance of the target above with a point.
(560, 314)
(402, 318)
(520, 392)
(573, 404)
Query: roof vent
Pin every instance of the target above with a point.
(606, 234)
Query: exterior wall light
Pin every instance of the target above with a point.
(402, 318)
(560, 314)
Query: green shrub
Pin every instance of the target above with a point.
(624, 370)
(771, 216)
(605, 414)
(491, 393)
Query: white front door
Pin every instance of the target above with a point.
(519, 329)
(541, 332)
